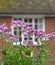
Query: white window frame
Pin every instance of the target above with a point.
(43, 19)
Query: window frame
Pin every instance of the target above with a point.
(43, 20)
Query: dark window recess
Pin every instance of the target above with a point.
(25, 38)
(15, 28)
(36, 21)
(15, 19)
(25, 20)
(30, 20)
(35, 40)
(19, 19)
(15, 32)
(36, 26)
(30, 38)
(30, 25)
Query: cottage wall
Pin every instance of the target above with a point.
(50, 27)
(7, 20)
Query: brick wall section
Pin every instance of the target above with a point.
(7, 20)
(50, 27)
(50, 24)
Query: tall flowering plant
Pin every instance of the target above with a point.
(24, 53)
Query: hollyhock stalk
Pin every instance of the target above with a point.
(2, 41)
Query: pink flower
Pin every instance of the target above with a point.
(50, 36)
(13, 37)
(28, 29)
(25, 43)
(53, 35)
(3, 28)
(39, 34)
(17, 23)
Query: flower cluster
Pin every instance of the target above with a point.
(12, 37)
(27, 43)
(39, 33)
(3, 28)
(50, 36)
(29, 30)
(17, 23)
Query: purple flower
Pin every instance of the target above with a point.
(50, 36)
(28, 29)
(24, 43)
(13, 37)
(3, 28)
(53, 35)
(17, 23)
(39, 33)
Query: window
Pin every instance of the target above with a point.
(37, 23)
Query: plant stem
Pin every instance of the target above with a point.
(2, 41)
(19, 34)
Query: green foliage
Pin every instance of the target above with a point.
(22, 56)
(15, 57)
(19, 55)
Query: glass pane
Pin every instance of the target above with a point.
(40, 23)
(15, 28)
(41, 26)
(15, 32)
(36, 21)
(36, 26)
(15, 19)
(26, 20)
(30, 25)
(25, 38)
(19, 19)
(40, 20)
(30, 20)
(35, 40)
(30, 38)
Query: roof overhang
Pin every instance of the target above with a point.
(28, 14)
